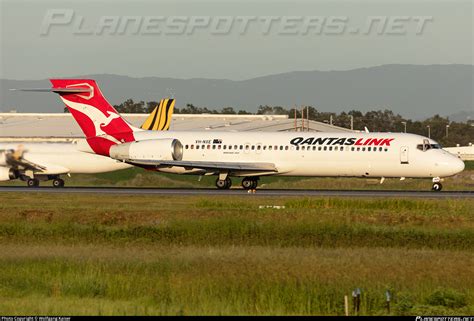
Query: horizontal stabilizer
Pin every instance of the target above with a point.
(57, 90)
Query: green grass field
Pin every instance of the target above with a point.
(100, 254)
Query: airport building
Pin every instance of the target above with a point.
(62, 127)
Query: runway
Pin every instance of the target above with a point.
(238, 192)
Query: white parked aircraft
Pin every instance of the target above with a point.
(35, 162)
(251, 155)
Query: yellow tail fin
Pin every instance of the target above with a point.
(160, 118)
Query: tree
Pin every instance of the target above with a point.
(228, 110)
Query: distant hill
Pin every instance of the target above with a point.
(412, 90)
(462, 116)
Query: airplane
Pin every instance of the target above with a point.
(251, 155)
(35, 162)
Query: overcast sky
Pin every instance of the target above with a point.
(28, 51)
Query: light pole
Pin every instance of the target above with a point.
(447, 126)
(405, 125)
(429, 131)
(352, 122)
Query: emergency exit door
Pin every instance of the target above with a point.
(404, 154)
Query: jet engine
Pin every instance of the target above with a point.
(7, 174)
(153, 149)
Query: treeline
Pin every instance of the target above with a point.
(378, 120)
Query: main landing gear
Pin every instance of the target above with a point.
(250, 183)
(57, 182)
(35, 182)
(436, 185)
(32, 182)
(223, 183)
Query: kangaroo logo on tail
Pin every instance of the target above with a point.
(99, 119)
(100, 122)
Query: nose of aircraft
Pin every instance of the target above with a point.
(457, 165)
(454, 165)
(448, 165)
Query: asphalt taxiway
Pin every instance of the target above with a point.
(238, 192)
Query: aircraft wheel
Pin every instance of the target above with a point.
(437, 187)
(32, 182)
(228, 182)
(247, 183)
(57, 182)
(254, 184)
(224, 183)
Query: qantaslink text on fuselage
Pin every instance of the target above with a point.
(341, 141)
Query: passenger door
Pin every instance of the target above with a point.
(404, 155)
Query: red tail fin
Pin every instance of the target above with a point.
(100, 122)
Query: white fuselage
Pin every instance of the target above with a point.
(63, 158)
(316, 154)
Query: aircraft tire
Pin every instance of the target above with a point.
(254, 184)
(247, 183)
(228, 183)
(223, 183)
(58, 183)
(32, 182)
(436, 187)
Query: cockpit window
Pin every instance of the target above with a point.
(426, 145)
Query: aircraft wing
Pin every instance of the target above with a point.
(14, 158)
(231, 166)
(25, 164)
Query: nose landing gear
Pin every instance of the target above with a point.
(437, 186)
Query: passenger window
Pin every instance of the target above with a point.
(197, 146)
(286, 147)
(281, 147)
(213, 146)
(186, 146)
(208, 146)
(325, 148)
(259, 147)
(253, 147)
(314, 147)
(241, 147)
(270, 147)
(319, 148)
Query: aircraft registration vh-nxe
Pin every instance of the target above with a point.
(249, 154)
